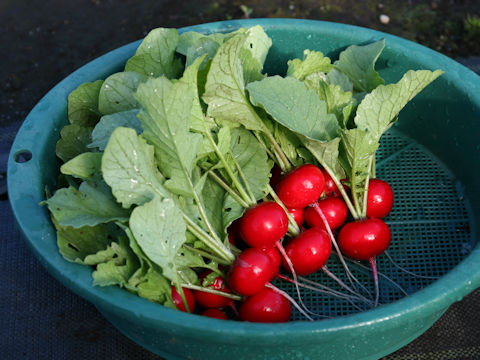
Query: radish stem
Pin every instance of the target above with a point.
(242, 176)
(277, 149)
(229, 171)
(207, 255)
(213, 291)
(228, 189)
(365, 193)
(262, 143)
(292, 224)
(217, 246)
(340, 187)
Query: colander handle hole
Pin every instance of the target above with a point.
(22, 156)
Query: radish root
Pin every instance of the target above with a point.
(350, 276)
(373, 264)
(289, 298)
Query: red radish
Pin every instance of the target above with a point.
(263, 225)
(309, 251)
(379, 198)
(364, 239)
(276, 259)
(334, 209)
(331, 188)
(231, 239)
(276, 175)
(301, 187)
(233, 232)
(298, 215)
(250, 272)
(177, 299)
(209, 300)
(267, 306)
(215, 313)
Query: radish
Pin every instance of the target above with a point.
(233, 232)
(298, 215)
(267, 306)
(263, 225)
(276, 259)
(209, 300)
(379, 198)
(331, 188)
(177, 299)
(250, 272)
(301, 187)
(215, 314)
(334, 209)
(276, 175)
(364, 240)
(309, 251)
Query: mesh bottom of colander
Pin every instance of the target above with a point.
(430, 224)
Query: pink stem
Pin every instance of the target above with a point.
(373, 263)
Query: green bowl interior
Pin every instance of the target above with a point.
(439, 127)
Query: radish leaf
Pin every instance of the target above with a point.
(294, 106)
(155, 55)
(339, 102)
(114, 265)
(357, 151)
(83, 104)
(156, 288)
(313, 62)
(74, 140)
(326, 154)
(198, 121)
(225, 87)
(165, 118)
(108, 123)
(358, 63)
(129, 168)
(76, 244)
(116, 93)
(336, 77)
(159, 229)
(379, 110)
(90, 205)
(83, 166)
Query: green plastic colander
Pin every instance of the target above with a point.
(431, 159)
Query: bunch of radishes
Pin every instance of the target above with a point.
(310, 196)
